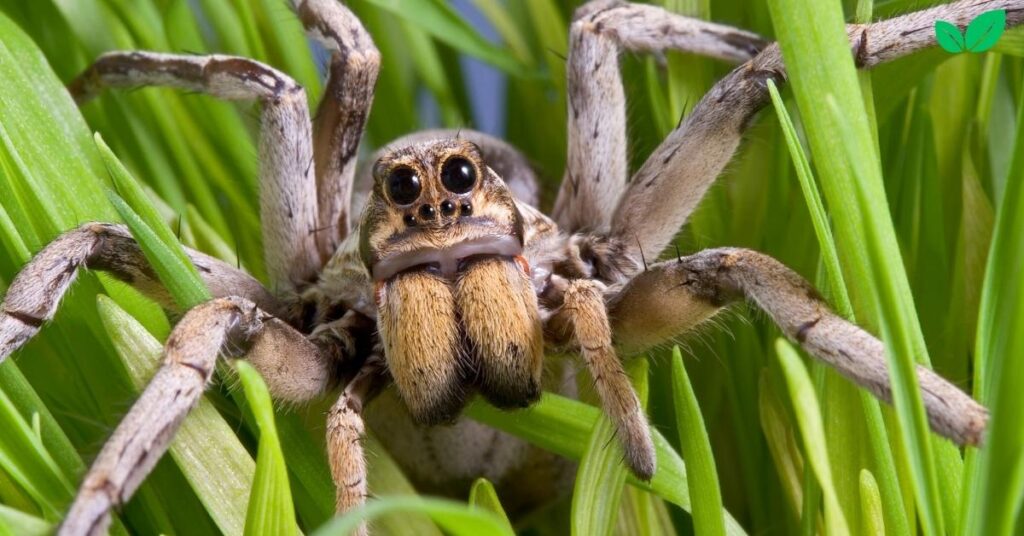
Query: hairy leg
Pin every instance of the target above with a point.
(341, 117)
(35, 293)
(664, 191)
(671, 297)
(288, 205)
(583, 315)
(345, 429)
(596, 174)
(144, 434)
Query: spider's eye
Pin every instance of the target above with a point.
(403, 185)
(457, 175)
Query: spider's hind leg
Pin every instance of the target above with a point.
(673, 296)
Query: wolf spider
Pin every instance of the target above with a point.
(452, 282)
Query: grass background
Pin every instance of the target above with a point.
(899, 192)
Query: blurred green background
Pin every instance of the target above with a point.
(948, 166)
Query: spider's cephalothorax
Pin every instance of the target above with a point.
(443, 242)
(455, 280)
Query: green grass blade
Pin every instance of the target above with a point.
(185, 287)
(996, 476)
(902, 337)
(808, 416)
(819, 62)
(819, 218)
(872, 522)
(601, 476)
(440, 20)
(16, 386)
(22, 524)
(895, 513)
(24, 457)
(454, 518)
(563, 426)
(158, 243)
(696, 449)
(483, 496)
(270, 504)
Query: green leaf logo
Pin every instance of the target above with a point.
(982, 33)
(949, 37)
(985, 30)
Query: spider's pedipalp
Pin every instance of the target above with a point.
(345, 429)
(288, 204)
(498, 309)
(341, 117)
(596, 171)
(418, 323)
(584, 316)
(710, 279)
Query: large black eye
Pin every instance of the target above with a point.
(403, 186)
(457, 175)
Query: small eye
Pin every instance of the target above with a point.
(403, 185)
(458, 175)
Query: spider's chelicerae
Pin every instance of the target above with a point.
(440, 278)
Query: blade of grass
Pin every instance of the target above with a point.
(995, 475)
(270, 501)
(158, 243)
(696, 450)
(563, 426)
(22, 524)
(872, 522)
(440, 19)
(601, 476)
(819, 63)
(895, 513)
(483, 496)
(808, 417)
(24, 457)
(455, 518)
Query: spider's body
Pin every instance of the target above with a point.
(442, 277)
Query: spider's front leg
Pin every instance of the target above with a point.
(35, 293)
(596, 171)
(674, 296)
(288, 205)
(664, 192)
(190, 354)
(295, 367)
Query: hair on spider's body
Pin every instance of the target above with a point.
(453, 281)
